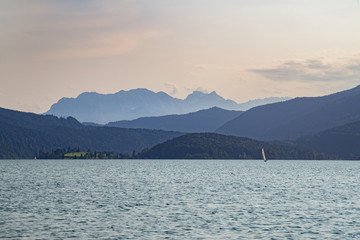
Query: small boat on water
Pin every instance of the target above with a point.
(263, 155)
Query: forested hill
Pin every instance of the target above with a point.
(36, 121)
(24, 134)
(207, 120)
(216, 146)
(343, 141)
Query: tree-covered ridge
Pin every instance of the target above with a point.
(17, 142)
(36, 121)
(216, 146)
(343, 141)
(24, 134)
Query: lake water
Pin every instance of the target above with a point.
(179, 199)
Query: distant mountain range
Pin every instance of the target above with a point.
(297, 117)
(216, 146)
(136, 103)
(201, 121)
(24, 134)
(303, 129)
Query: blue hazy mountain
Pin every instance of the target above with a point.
(343, 141)
(259, 102)
(24, 134)
(297, 117)
(201, 121)
(136, 103)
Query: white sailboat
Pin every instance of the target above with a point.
(263, 154)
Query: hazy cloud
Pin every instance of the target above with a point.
(313, 70)
(172, 88)
(103, 45)
(68, 29)
(60, 48)
(201, 89)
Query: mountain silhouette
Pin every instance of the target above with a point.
(217, 146)
(297, 117)
(24, 134)
(136, 103)
(201, 121)
(343, 141)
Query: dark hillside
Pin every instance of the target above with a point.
(202, 121)
(343, 141)
(24, 134)
(297, 117)
(216, 146)
(36, 121)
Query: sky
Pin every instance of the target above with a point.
(242, 49)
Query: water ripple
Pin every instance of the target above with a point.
(179, 200)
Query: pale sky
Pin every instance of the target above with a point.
(242, 49)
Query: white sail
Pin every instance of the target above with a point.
(263, 154)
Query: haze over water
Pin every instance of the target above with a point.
(178, 199)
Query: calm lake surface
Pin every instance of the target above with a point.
(179, 199)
